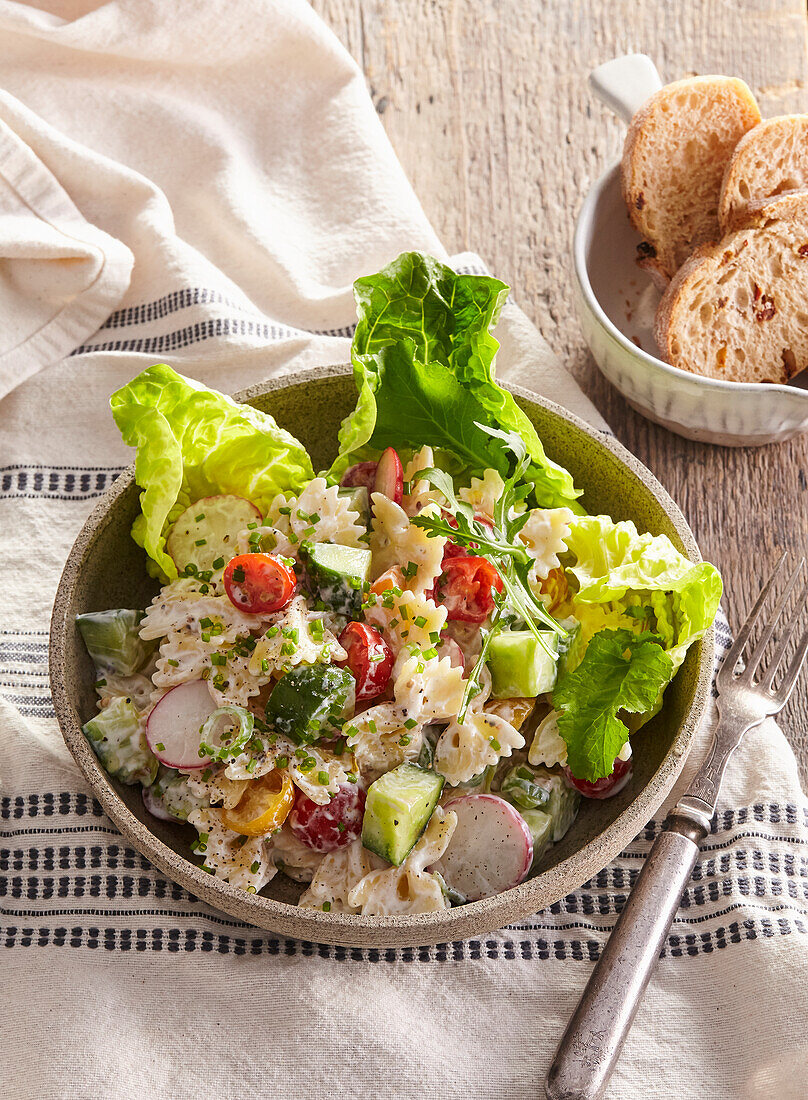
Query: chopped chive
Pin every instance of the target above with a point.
(218, 658)
(201, 542)
(495, 745)
(420, 621)
(326, 906)
(252, 526)
(218, 563)
(282, 762)
(410, 724)
(352, 777)
(404, 740)
(264, 665)
(200, 517)
(323, 778)
(255, 867)
(160, 746)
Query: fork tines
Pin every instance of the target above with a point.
(753, 675)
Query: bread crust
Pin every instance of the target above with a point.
(762, 225)
(743, 171)
(740, 114)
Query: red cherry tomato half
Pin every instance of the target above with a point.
(363, 473)
(454, 549)
(326, 828)
(390, 476)
(259, 583)
(370, 659)
(604, 788)
(464, 588)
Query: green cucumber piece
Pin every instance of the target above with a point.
(112, 639)
(208, 530)
(563, 802)
(338, 574)
(540, 824)
(357, 496)
(398, 806)
(119, 742)
(171, 790)
(306, 698)
(519, 786)
(520, 666)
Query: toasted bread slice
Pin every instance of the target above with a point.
(677, 147)
(768, 160)
(738, 310)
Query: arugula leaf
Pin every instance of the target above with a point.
(423, 357)
(193, 442)
(620, 671)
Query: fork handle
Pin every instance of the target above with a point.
(591, 1045)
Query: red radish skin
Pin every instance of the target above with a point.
(172, 729)
(491, 849)
(155, 806)
(604, 788)
(363, 473)
(390, 476)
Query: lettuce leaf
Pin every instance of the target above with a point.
(423, 358)
(643, 578)
(193, 442)
(619, 671)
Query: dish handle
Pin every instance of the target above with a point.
(625, 83)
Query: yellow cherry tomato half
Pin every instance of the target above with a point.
(263, 807)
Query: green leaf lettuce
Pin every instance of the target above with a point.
(639, 582)
(193, 442)
(423, 357)
(620, 671)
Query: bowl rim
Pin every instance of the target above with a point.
(348, 929)
(581, 238)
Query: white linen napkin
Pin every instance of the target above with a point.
(207, 181)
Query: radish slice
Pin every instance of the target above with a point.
(491, 849)
(172, 729)
(390, 476)
(363, 473)
(154, 805)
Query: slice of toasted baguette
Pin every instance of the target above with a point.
(738, 310)
(768, 160)
(677, 147)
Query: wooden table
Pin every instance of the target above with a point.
(486, 104)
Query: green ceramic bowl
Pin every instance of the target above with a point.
(106, 569)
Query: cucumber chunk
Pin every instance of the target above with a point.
(398, 806)
(520, 666)
(338, 574)
(112, 639)
(357, 495)
(519, 786)
(170, 790)
(120, 743)
(307, 698)
(563, 802)
(540, 824)
(208, 530)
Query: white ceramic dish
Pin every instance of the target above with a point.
(616, 303)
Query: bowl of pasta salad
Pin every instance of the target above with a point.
(381, 654)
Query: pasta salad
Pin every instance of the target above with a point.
(393, 681)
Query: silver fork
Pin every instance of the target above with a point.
(591, 1044)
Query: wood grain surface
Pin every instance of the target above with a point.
(486, 104)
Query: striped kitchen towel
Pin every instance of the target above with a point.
(202, 183)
